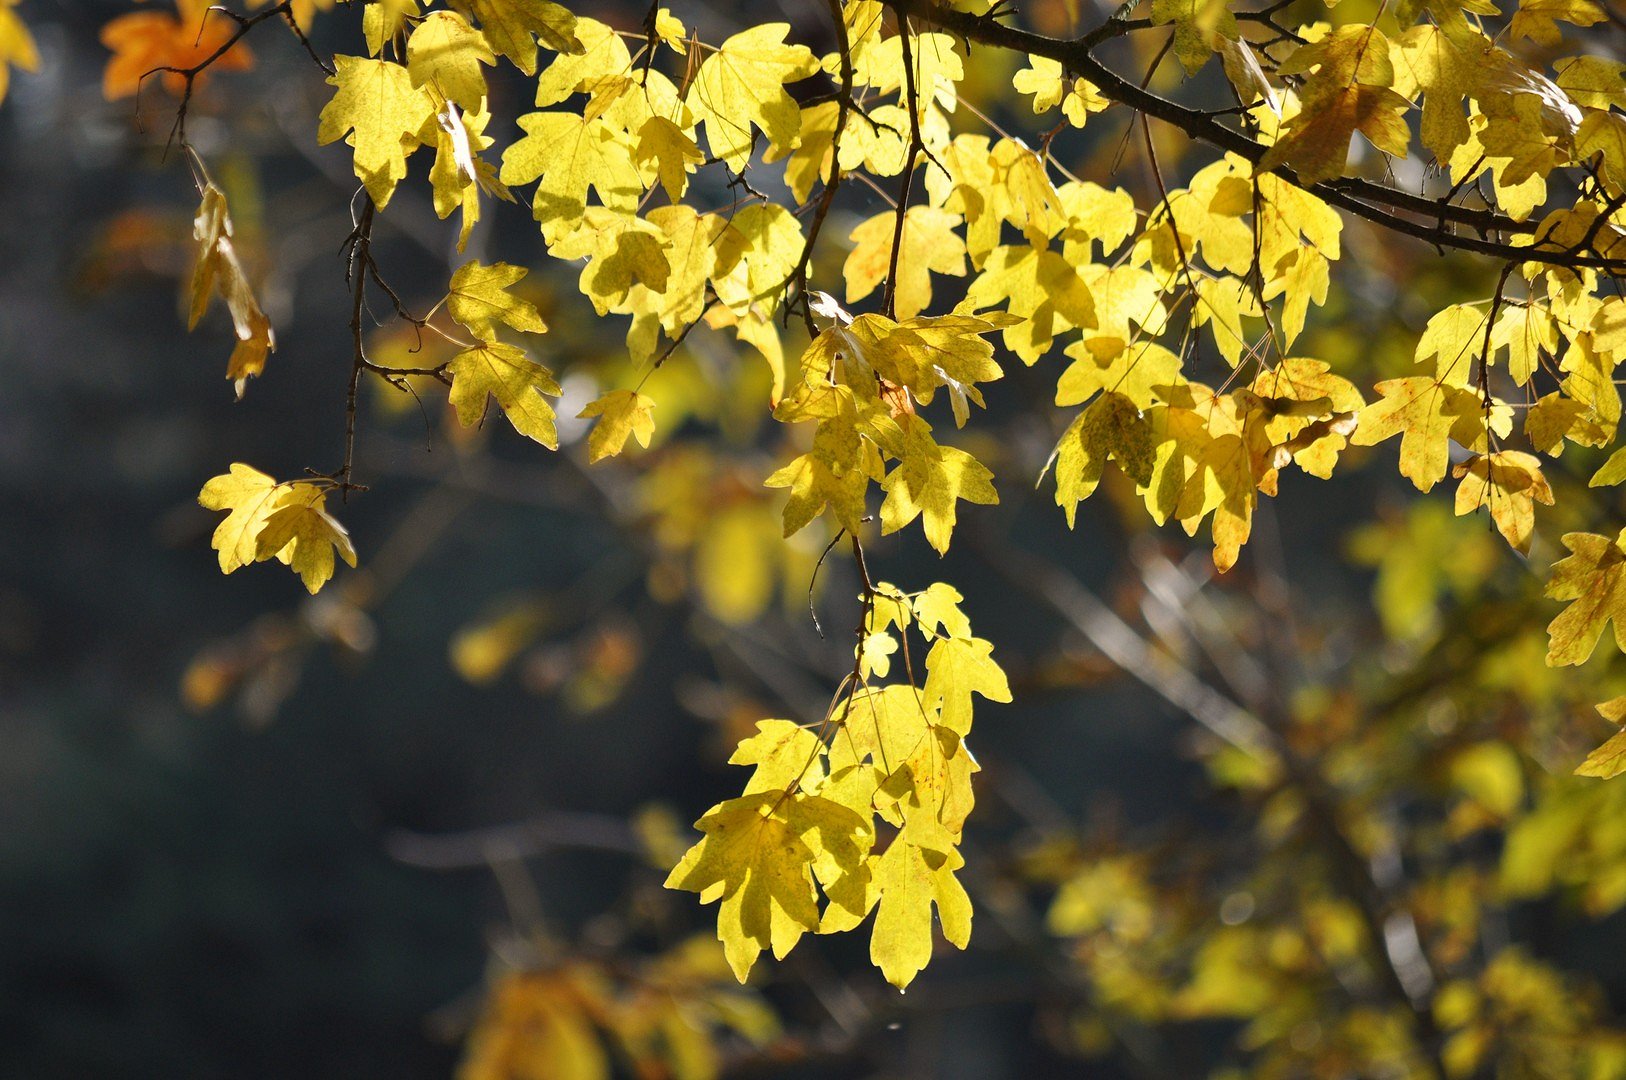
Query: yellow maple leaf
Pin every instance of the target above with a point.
(1595, 82)
(930, 244)
(1110, 427)
(956, 668)
(667, 148)
(1198, 27)
(1307, 412)
(742, 85)
(922, 769)
(757, 859)
(1509, 483)
(479, 299)
(445, 52)
(382, 113)
(503, 371)
(386, 21)
(1593, 579)
(571, 154)
(906, 881)
(1045, 81)
(266, 519)
(1608, 760)
(600, 59)
(1428, 414)
(1042, 289)
(755, 254)
(1136, 373)
(302, 534)
(621, 413)
(251, 496)
(786, 755)
(1316, 142)
(836, 473)
(512, 28)
(622, 252)
(1538, 19)
(928, 482)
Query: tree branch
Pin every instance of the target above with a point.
(1377, 203)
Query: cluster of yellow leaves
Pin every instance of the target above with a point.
(866, 810)
(479, 300)
(1230, 263)
(1192, 452)
(860, 381)
(217, 270)
(666, 1016)
(144, 41)
(286, 521)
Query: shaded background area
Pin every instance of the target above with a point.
(215, 890)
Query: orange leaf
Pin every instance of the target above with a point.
(143, 41)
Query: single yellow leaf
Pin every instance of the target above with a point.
(383, 113)
(502, 371)
(479, 298)
(621, 413)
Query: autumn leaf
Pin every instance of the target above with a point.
(513, 27)
(928, 482)
(1198, 27)
(503, 371)
(742, 85)
(217, 271)
(17, 49)
(835, 473)
(956, 668)
(621, 413)
(756, 859)
(1538, 19)
(1044, 80)
(301, 533)
(479, 299)
(1609, 760)
(907, 882)
(571, 155)
(1110, 428)
(142, 41)
(673, 154)
(379, 111)
(445, 52)
(1509, 483)
(267, 519)
(1593, 580)
(930, 245)
(251, 497)
(1428, 414)
(385, 22)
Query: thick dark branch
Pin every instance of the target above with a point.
(1375, 202)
